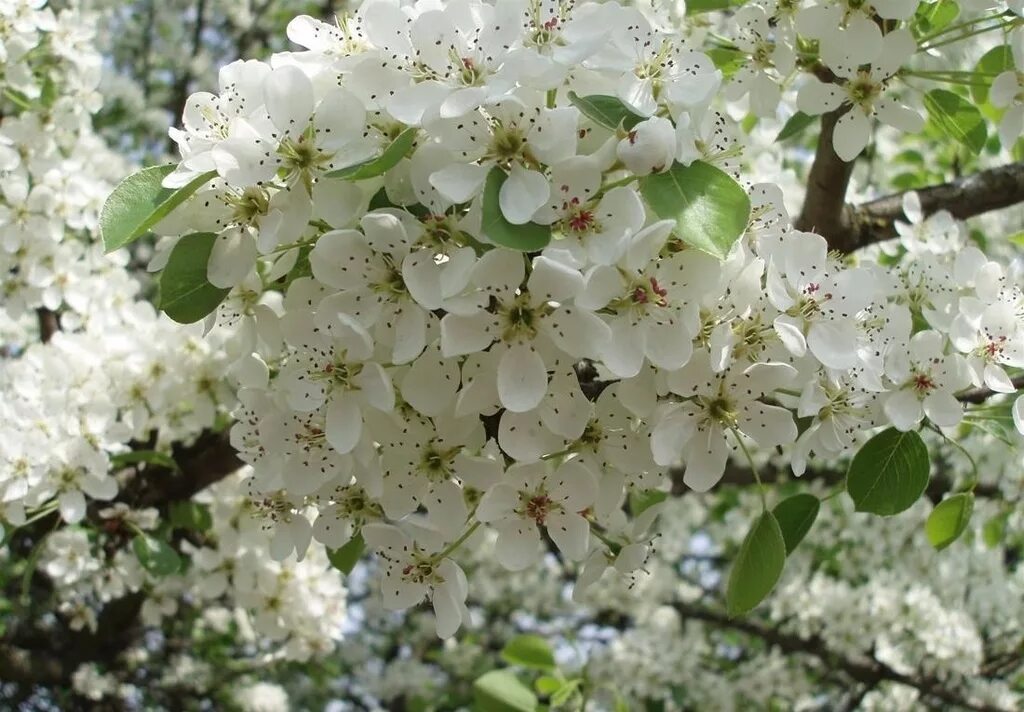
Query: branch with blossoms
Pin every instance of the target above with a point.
(869, 672)
(419, 276)
(851, 227)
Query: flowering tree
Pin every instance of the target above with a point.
(512, 355)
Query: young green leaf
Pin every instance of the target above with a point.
(758, 566)
(185, 294)
(501, 691)
(530, 651)
(949, 519)
(795, 516)
(525, 238)
(547, 685)
(933, 16)
(150, 457)
(710, 208)
(345, 557)
(993, 531)
(698, 7)
(957, 118)
(993, 63)
(388, 159)
(795, 125)
(608, 111)
(139, 202)
(889, 473)
(192, 516)
(565, 692)
(157, 557)
(642, 500)
(728, 61)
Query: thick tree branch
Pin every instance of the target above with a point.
(209, 459)
(30, 656)
(49, 323)
(824, 204)
(964, 197)
(850, 227)
(867, 671)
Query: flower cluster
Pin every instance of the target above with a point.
(463, 308)
(55, 171)
(291, 610)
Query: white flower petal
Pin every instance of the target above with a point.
(344, 422)
(943, 409)
(851, 134)
(459, 182)
(571, 534)
(518, 544)
(522, 378)
(522, 194)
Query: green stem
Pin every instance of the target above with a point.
(960, 25)
(973, 482)
(457, 543)
(966, 35)
(753, 467)
(615, 184)
(30, 564)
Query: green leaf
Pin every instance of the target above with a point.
(525, 238)
(608, 111)
(698, 7)
(758, 566)
(728, 61)
(889, 473)
(993, 531)
(501, 691)
(185, 294)
(795, 516)
(992, 63)
(530, 651)
(642, 500)
(957, 118)
(710, 208)
(931, 17)
(565, 692)
(949, 519)
(345, 557)
(157, 557)
(150, 457)
(193, 516)
(139, 202)
(795, 125)
(547, 685)
(380, 165)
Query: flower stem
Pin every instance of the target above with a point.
(753, 467)
(966, 35)
(457, 543)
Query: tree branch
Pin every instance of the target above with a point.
(49, 323)
(823, 211)
(980, 395)
(850, 227)
(868, 671)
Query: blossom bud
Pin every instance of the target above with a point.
(649, 147)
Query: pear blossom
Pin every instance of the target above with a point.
(411, 574)
(530, 496)
(926, 380)
(861, 90)
(719, 404)
(1007, 92)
